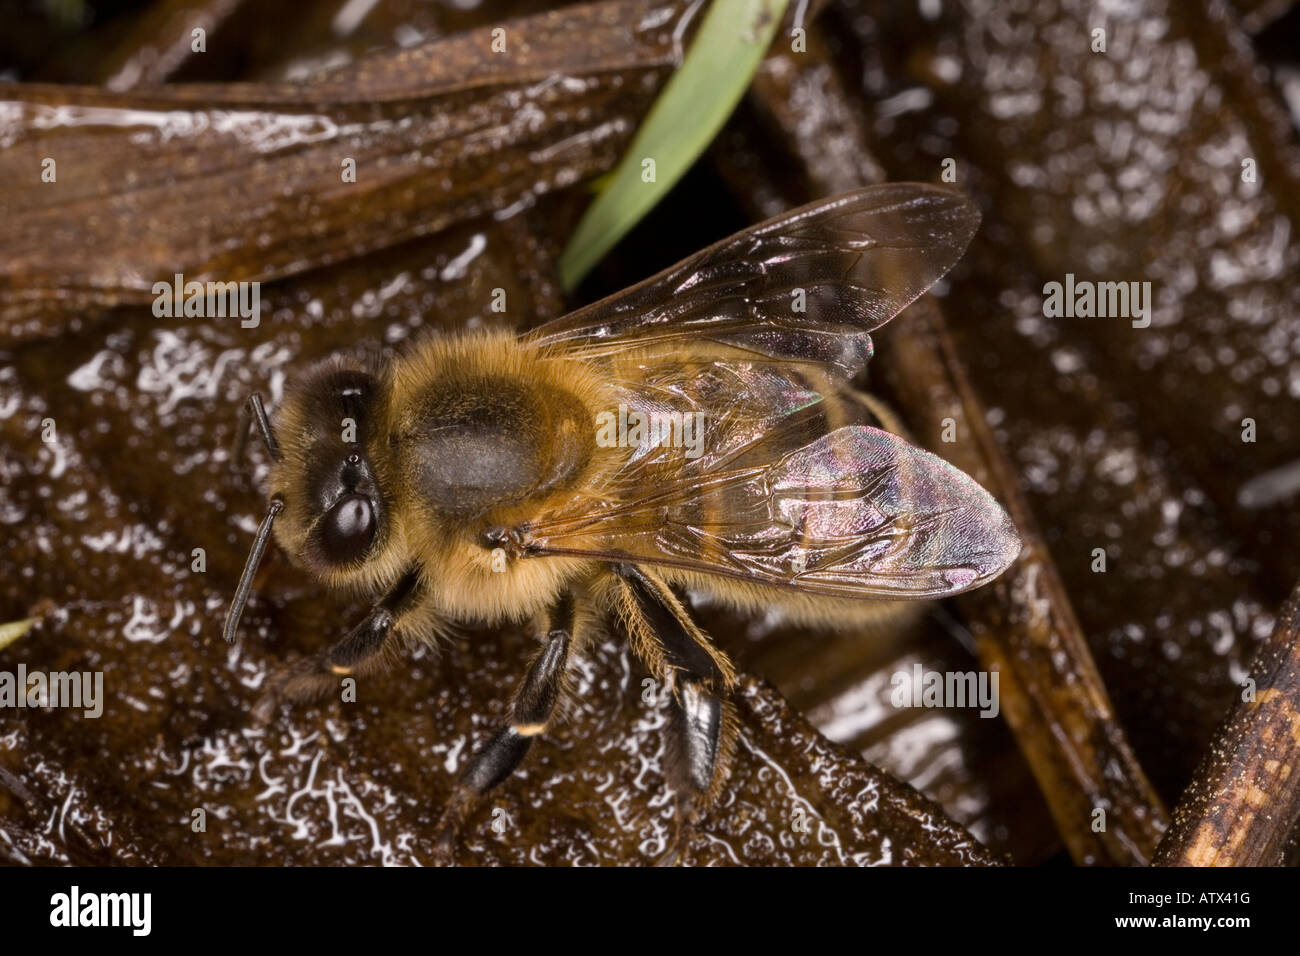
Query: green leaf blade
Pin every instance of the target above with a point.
(693, 106)
(11, 631)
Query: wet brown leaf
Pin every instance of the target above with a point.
(245, 182)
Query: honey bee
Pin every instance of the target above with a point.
(692, 434)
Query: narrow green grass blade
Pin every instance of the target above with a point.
(13, 630)
(696, 101)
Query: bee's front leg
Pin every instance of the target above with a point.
(536, 703)
(316, 674)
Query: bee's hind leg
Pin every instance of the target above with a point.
(536, 702)
(702, 723)
(700, 745)
(359, 650)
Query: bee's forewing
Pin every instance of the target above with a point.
(857, 512)
(809, 285)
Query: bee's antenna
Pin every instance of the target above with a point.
(250, 569)
(253, 415)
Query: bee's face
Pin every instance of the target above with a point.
(336, 512)
(349, 512)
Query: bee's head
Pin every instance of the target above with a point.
(328, 508)
(335, 512)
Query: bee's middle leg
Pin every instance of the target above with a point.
(356, 651)
(536, 702)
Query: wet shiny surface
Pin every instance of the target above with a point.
(1129, 439)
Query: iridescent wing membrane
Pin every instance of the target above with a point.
(738, 468)
(859, 259)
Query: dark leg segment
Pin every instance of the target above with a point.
(534, 705)
(319, 672)
(655, 603)
(700, 727)
(698, 724)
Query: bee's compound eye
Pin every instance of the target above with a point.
(348, 529)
